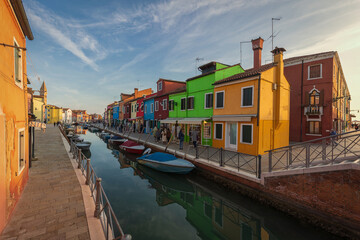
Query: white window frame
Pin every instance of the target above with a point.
(152, 108)
(223, 91)
(188, 101)
(164, 104)
(19, 152)
(171, 100)
(160, 86)
(156, 106)
(222, 131)
(19, 84)
(320, 71)
(252, 95)
(205, 100)
(252, 133)
(185, 104)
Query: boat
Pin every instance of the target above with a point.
(117, 141)
(84, 145)
(132, 147)
(165, 162)
(115, 137)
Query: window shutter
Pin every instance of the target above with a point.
(322, 97)
(307, 96)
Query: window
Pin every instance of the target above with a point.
(21, 150)
(219, 99)
(207, 130)
(183, 104)
(208, 210)
(190, 103)
(160, 86)
(17, 65)
(314, 127)
(315, 71)
(157, 106)
(218, 216)
(132, 108)
(314, 98)
(171, 105)
(164, 104)
(123, 108)
(142, 107)
(247, 94)
(152, 108)
(145, 110)
(208, 100)
(218, 131)
(246, 133)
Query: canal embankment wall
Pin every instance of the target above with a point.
(325, 196)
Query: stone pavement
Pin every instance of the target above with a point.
(51, 206)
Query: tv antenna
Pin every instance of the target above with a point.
(272, 31)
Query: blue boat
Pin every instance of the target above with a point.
(165, 162)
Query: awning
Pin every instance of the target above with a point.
(192, 120)
(170, 120)
(233, 118)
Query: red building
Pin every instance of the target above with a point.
(319, 99)
(161, 100)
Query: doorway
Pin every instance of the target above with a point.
(231, 135)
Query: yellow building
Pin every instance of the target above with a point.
(53, 114)
(39, 103)
(251, 109)
(14, 132)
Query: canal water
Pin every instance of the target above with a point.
(154, 205)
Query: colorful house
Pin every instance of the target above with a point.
(39, 103)
(54, 114)
(67, 115)
(320, 98)
(149, 122)
(195, 106)
(124, 98)
(131, 107)
(14, 132)
(252, 109)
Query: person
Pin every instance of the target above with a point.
(333, 133)
(154, 132)
(163, 135)
(194, 137)
(158, 135)
(54, 124)
(356, 127)
(168, 135)
(181, 138)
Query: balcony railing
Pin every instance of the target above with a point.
(313, 110)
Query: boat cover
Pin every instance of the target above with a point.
(159, 156)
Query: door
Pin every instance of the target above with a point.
(231, 136)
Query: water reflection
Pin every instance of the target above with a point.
(155, 205)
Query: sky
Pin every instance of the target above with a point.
(90, 51)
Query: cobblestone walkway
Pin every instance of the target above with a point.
(51, 206)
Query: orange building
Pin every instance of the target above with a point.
(252, 109)
(14, 139)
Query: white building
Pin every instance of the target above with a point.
(67, 115)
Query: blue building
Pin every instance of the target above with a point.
(149, 114)
(116, 114)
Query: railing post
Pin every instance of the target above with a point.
(97, 202)
(79, 158)
(270, 161)
(221, 157)
(290, 156)
(259, 167)
(87, 171)
(323, 149)
(307, 160)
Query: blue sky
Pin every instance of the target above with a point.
(88, 52)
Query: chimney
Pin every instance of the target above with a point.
(278, 60)
(257, 46)
(136, 92)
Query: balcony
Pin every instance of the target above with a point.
(313, 110)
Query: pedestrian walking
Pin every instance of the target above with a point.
(333, 139)
(181, 138)
(356, 127)
(154, 132)
(158, 135)
(163, 135)
(54, 124)
(194, 137)
(168, 135)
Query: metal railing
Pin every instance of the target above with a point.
(329, 150)
(313, 109)
(240, 161)
(103, 209)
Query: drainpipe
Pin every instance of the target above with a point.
(258, 114)
(301, 100)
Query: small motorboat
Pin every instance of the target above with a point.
(115, 137)
(84, 145)
(117, 141)
(132, 147)
(165, 162)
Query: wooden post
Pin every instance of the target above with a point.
(97, 202)
(87, 182)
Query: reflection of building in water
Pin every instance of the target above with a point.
(80, 130)
(213, 216)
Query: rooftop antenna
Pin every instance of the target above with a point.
(197, 60)
(272, 31)
(241, 49)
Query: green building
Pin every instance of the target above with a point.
(193, 109)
